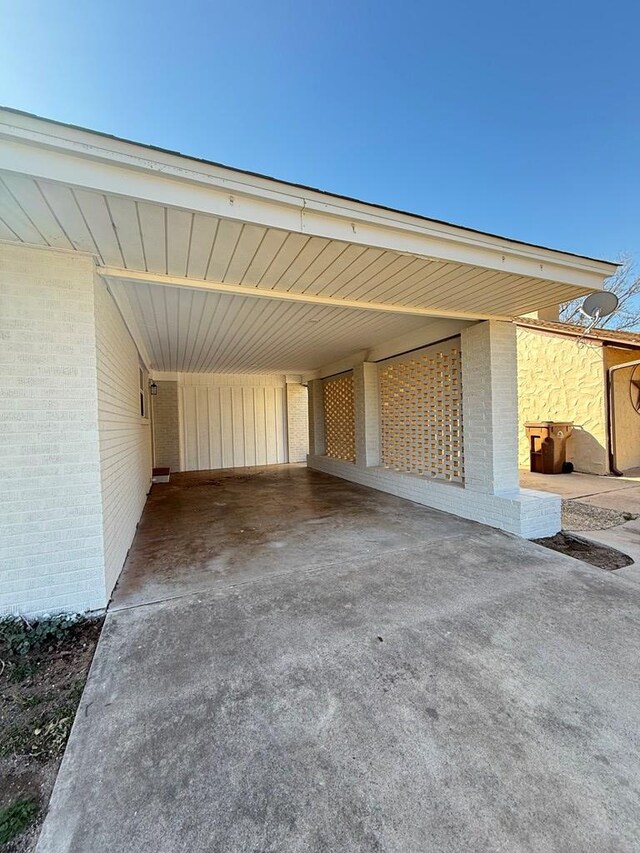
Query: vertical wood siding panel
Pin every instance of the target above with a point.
(182, 430)
(237, 427)
(238, 422)
(215, 442)
(260, 430)
(249, 426)
(226, 427)
(271, 448)
(204, 449)
(280, 425)
(190, 429)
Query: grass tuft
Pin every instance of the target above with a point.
(15, 818)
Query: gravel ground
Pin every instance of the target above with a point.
(581, 516)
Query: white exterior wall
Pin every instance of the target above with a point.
(51, 556)
(125, 436)
(74, 452)
(367, 414)
(490, 407)
(490, 494)
(231, 420)
(297, 420)
(315, 400)
(207, 421)
(166, 425)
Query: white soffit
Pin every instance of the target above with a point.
(191, 331)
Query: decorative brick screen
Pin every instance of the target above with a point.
(421, 414)
(339, 417)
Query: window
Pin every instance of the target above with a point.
(142, 379)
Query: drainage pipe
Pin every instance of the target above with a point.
(611, 414)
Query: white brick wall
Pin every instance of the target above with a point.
(50, 500)
(125, 437)
(523, 512)
(491, 494)
(166, 426)
(367, 412)
(490, 407)
(297, 422)
(316, 418)
(74, 452)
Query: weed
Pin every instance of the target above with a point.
(20, 637)
(21, 670)
(15, 818)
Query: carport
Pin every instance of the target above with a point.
(211, 531)
(277, 323)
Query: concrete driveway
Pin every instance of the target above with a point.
(386, 679)
(605, 491)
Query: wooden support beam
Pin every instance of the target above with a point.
(136, 277)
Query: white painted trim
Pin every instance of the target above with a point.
(58, 249)
(44, 149)
(121, 300)
(164, 375)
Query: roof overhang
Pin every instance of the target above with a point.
(597, 336)
(156, 218)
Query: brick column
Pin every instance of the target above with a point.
(490, 407)
(367, 414)
(166, 429)
(316, 418)
(297, 421)
(51, 513)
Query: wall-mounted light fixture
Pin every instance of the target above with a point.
(153, 388)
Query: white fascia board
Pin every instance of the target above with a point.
(48, 151)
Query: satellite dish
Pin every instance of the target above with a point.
(599, 305)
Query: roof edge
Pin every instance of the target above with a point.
(329, 195)
(572, 330)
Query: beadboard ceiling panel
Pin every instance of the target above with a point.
(195, 331)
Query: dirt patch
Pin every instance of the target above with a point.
(588, 552)
(577, 515)
(44, 666)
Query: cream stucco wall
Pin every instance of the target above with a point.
(626, 419)
(560, 380)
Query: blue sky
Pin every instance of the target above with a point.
(517, 118)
